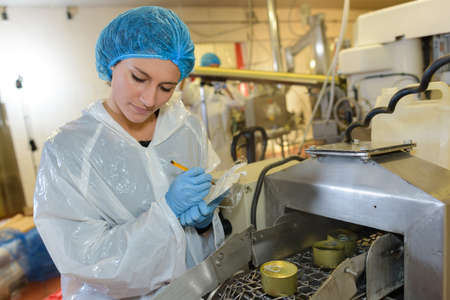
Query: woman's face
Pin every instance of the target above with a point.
(140, 86)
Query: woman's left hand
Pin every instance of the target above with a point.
(200, 215)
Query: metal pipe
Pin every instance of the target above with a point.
(260, 76)
(204, 107)
(291, 52)
(317, 39)
(321, 49)
(274, 36)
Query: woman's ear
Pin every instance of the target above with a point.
(112, 71)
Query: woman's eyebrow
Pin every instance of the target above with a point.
(140, 71)
(150, 77)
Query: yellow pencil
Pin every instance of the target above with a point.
(178, 165)
(184, 168)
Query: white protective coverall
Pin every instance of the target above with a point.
(298, 102)
(219, 105)
(100, 204)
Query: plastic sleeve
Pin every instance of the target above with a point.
(124, 260)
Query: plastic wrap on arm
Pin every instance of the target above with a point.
(123, 260)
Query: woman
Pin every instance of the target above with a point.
(117, 218)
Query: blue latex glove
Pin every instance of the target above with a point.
(188, 189)
(200, 215)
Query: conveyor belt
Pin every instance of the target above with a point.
(310, 277)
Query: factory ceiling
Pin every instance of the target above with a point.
(320, 4)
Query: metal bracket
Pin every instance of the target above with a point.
(384, 266)
(233, 256)
(341, 285)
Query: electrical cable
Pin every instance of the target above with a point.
(260, 182)
(330, 69)
(353, 104)
(333, 92)
(331, 99)
(355, 89)
(423, 85)
(399, 81)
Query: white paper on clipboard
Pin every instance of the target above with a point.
(224, 183)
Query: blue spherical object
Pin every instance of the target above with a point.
(209, 59)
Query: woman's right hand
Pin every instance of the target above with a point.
(188, 189)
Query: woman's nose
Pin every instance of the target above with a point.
(148, 97)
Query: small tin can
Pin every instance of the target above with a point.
(279, 278)
(346, 237)
(328, 254)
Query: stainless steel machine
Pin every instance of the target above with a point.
(395, 202)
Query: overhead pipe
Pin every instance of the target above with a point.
(219, 74)
(317, 39)
(274, 36)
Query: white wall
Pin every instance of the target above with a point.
(55, 57)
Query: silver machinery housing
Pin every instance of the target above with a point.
(344, 185)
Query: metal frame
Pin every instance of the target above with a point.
(396, 193)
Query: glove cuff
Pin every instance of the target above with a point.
(205, 223)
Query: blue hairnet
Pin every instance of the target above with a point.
(148, 32)
(209, 59)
